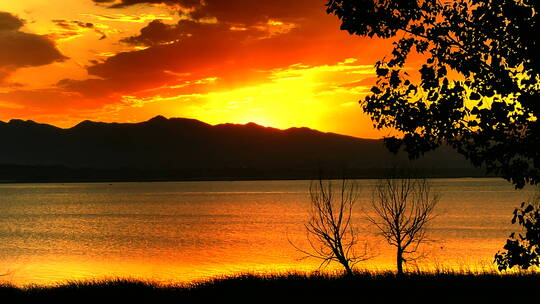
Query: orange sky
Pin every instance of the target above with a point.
(278, 63)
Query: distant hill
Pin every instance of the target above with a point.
(187, 149)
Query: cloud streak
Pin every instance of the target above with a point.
(131, 18)
(74, 28)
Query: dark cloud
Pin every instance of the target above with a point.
(124, 3)
(251, 12)
(156, 32)
(236, 53)
(188, 31)
(8, 22)
(19, 49)
(237, 11)
(149, 68)
(195, 49)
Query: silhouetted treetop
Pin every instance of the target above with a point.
(477, 88)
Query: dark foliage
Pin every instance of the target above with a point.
(478, 88)
(522, 250)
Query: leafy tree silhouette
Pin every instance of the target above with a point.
(524, 250)
(478, 88)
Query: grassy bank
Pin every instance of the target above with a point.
(446, 287)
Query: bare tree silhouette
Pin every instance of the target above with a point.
(403, 208)
(330, 232)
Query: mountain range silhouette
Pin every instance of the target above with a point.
(188, 149)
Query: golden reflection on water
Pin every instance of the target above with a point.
(181, 232)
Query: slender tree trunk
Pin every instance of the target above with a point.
(348, 269)
(343, 261)
(399, 261)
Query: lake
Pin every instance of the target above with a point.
(185, 231)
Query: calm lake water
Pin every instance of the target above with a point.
(184, 231)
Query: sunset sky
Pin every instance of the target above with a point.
(278, 63)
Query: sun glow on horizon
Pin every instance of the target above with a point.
(297, 96)
(283, 70)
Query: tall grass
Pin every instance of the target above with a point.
(443, 286)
